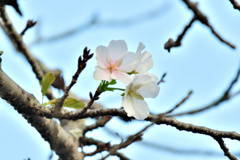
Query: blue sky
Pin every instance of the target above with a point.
(202, 64)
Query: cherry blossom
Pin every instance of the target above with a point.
(145, 61)
(115, 62)
(142, 86)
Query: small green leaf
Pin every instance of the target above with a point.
(46, 82)
(113, 82)
(73, 103)
(1, 52)
(51, 102)
(69, 102)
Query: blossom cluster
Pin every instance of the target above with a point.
(115, 62)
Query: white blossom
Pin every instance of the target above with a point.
(114, 62)
(145, 61)
(142, 86)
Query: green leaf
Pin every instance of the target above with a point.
(73, 103)
(69, 102)
(51, 102)
(113, 82)
(46, 82)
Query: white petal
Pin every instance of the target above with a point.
(146, 61)
(140, 47)
(129, 62)
(117, 49)
(141, 79)
(135, 108)
(139, 68)
(102, 56)
(102, 74)
(149, 90)
(128, 88)
(127, 105)
(121, 76)
(140, 108)
(153, 76)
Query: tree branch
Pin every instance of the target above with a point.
(81, 65)
(203, 19)
(225, 96)
(17, 41)
(179, 104)
(96, 21)
(99, 123)
(224, 148)
(235, 4)
(62, 142)
(27, 104)
(171, 43)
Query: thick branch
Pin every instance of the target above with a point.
(17, 41)
(62, 142)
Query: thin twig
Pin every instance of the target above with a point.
(179, 104)
(224, 148)
(235, 4)
(96, 21)
(81, 65)
(225, 96)
(30, 24)
(101, 146)
(162, 79)
(171, 149)
(133, 138)
(171, 43)
(99, 123)
(204, 20)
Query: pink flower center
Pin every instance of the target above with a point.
(112, 66)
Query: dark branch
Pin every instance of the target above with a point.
(30, 24)
(224, 148)
(100, 123)
(81, 66)
(171, 43)
(130, 140)
(12, 3)
(101, 146)
(235, 4)
(179, 104)
(203, 19)
(225, 96)
(17, 41)
(162, 79)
